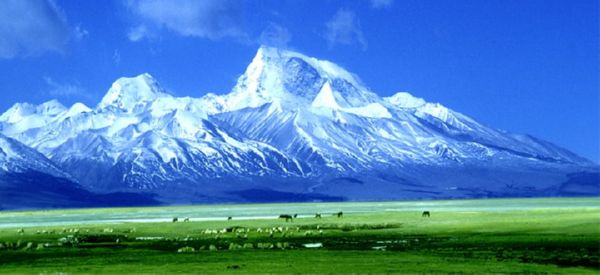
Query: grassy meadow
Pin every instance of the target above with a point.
(473, 238)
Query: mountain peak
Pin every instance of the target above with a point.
(405, 100)
(21, 110)
(272, 53)
(325, 98)
(288, 59)
(17, 112)
(291, 78)
(76, 109)
(129, 92)
(52, 107)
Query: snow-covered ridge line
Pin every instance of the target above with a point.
(288, 115)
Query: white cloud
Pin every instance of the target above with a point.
(344, 29)
(116, 58)
(31, 27)
(379, 4)
(138, 33)
(275, 35)
(212, 19)
(64, 89)
(79, 33)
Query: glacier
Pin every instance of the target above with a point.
(292, 125)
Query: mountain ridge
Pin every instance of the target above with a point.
(291, 120)
(28, 180)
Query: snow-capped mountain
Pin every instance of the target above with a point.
(18, 158)
(29, 180)
(294, 124)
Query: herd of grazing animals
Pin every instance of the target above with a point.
(241, 233)
(288, 217)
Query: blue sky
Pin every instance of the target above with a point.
(523, 66)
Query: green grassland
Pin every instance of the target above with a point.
(545, 240)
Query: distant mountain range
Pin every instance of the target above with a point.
(294, 128)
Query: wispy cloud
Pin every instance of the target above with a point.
(79, 32)
(65, 89)
(344, 29)
(379, 4)
(116, 58)
(32, 27)
(138, 33)
(211, 19)
(275, 35)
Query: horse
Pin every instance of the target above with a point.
(426, 214)
(286, 217)
(229, 218)
(175, 219)
(186, 219)
(295, 216)
(318, 216)
(339, 214)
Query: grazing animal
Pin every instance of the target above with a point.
(186, 220)
(426, 214)
(318, 216)
(286, 217)
(175, 219)
(339, 214)
(295, 216)
(229, 218)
